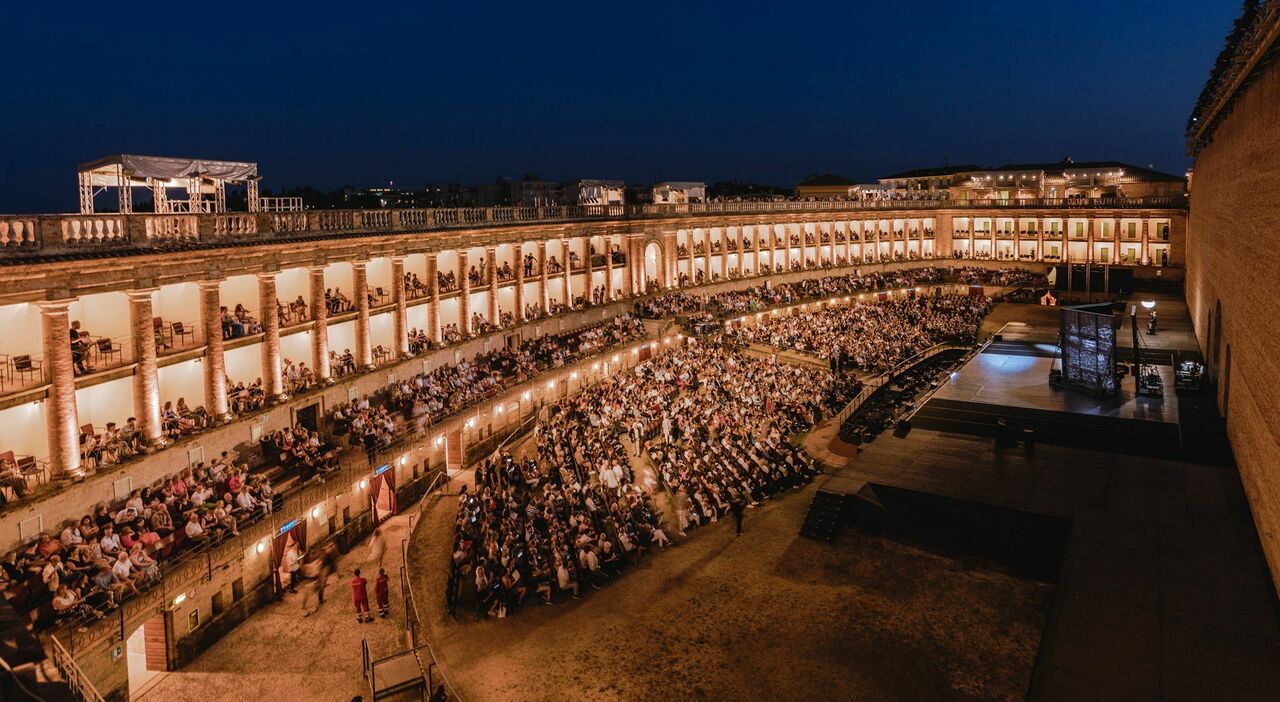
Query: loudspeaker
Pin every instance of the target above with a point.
(903, 428)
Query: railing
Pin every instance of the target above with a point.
(75, 678)
(32, 235)
(886, 377)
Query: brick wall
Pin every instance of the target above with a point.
(1233, 245)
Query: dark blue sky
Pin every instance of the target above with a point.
(445, 91)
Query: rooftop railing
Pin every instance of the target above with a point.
(34, 236)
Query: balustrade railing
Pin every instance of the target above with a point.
(32, 235)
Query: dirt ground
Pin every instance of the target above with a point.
(278, 654)
(765, 616)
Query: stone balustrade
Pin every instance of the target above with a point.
(43, 235)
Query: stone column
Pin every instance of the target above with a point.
(272, 367)
(400, 313)
(215, 374)
(319, 327)
(725, 250)
(464, 296)
(544, 294)
(740, 247)
(1088, 238)
(1115, 240)
(671, 256)
(608, 269)
(568, 273)
(1039, 238)
(693, 260)
(146, 377)
(633, 280)
(518, 254)
(589, 269)
(60, 413)
(491, 263)
(1146, 241)
(433, 299)
(364, 345)
(991, 230)
(758, 233)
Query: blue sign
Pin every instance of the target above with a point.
(382, 469)
(288, 525)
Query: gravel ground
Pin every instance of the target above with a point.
(764, 616)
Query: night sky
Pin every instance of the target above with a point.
(366, 93)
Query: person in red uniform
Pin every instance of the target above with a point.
(380, 591)
(360, 593)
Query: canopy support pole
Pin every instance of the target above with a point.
(86, 193)
(220, 196)
(160, 195)
(193, 195)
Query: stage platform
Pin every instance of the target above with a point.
(1015, 388)
(1021, 380)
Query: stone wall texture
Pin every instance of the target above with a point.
(1233, 267)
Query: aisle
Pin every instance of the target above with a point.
(277, 653)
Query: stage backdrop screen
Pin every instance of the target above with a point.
(1089, 348)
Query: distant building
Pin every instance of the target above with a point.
(595, 192)
(679, 193)
(1063, 179)
(825, 186)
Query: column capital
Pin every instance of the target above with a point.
(208, 284)
(267, 277)
(52, 307)
(359, 263)
(317, 268)
(141, 294)
(397, 258)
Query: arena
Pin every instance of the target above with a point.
(962, 432)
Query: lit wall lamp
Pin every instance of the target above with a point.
(364, 484)
(1149, 304)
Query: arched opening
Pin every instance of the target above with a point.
(382, 493)
(652, 257)
(147, 655)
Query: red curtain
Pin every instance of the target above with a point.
(280, 544)
(382, 493)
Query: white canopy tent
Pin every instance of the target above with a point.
(199, 177)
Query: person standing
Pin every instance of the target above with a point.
(293, 562)
(683, 507)
(380, 591)
(739, 509)
(377, 547)
(360, 596)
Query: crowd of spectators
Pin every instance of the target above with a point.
(576, 515)
(90, 567)
(877, 336)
